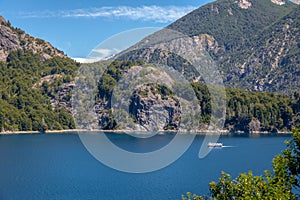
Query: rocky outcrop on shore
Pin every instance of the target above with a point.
(153, 110)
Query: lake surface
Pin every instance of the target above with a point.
(57, 166)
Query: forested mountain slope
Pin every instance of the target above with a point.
(255, 42)
(35, 83)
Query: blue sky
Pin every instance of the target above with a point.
(78, 26)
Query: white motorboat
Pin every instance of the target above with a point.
(215, 144)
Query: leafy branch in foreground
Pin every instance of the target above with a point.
(277, 184)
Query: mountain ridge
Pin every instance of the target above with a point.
(238, 33)
(249, 43)
(12, 39)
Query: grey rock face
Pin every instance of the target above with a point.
(12, 39)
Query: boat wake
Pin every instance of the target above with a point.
(228, 146)
(217, 145)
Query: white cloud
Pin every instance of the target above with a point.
(153, 13)
(97, 55)
(86, 60)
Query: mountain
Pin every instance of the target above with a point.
(254, 42)
(12, 39)
(36, 80)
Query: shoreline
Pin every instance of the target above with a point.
(200, 132)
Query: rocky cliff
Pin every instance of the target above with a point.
(12, 39)
(154, 110)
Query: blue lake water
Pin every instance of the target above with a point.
(57, 166)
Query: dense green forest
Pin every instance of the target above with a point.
(29, 87)
(27, 84)
(246, 111)
(253, 111)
